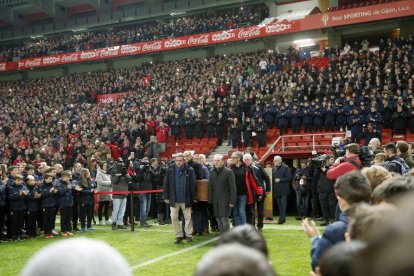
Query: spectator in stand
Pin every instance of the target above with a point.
(162, 133)
(153, 148)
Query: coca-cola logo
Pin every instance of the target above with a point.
(130, 49)
(252, 32)
(69, 58)
(107, 100)
(51, 60)
(109, 53)
(2, 66)
(88, 55)
(20, 64)
(33, 62)
(174, 43)
(152, 46)
(277, 28)
(223, 36)
(198, 40)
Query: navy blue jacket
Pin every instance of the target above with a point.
(86, 196)
(3, 195)
(333, 234)
(17, 201)
(65, 194)
(33, 204)
(281, 188)
(47, 200)
(190, 185)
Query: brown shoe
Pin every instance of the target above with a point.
(189, 239)
(178, 240)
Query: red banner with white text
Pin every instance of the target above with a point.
(109, 98)
(311, 22)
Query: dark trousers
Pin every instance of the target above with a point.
(302, 203)
(211, 132)
(200, 220)
(315, 205)
(307, 127)
(40, 219)
(75, 216)
(317, 128)
(328, 205)
(188, 134)
(260, 213)
(283, 129)
(200, 134)
(31, 223)
(250, 216)
(235, 142)
(211, 218)
(296, 128)
(65, 219)
(261, 140)
(103, 206)
(54, 217)
(247, 142)
(17, 220)
(127, 214)
(48, 216)
(2, 220)
(85, 215)
(282, 205)
(219, 133)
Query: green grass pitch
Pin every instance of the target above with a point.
(151, 251)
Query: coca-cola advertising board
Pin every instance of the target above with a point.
(311, 22)
(109, 98)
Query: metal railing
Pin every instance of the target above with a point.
(280, 144)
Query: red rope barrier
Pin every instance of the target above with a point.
(129, 192)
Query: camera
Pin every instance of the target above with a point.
(366, 155)
(117, 168)
(318, 161)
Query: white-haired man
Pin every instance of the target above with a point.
(222, 192)
(281, 179)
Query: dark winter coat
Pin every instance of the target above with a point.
(281, 188)
(65, 194)
(221, 191)
(190, 185)
(16, 200)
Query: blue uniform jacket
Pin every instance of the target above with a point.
(65, 194)
(17, 201)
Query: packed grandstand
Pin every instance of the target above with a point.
(325, 85)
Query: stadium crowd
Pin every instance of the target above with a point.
(147, 31)
(56, 122)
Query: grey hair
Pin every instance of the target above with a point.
(78, 256)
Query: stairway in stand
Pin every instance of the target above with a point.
(223, 150)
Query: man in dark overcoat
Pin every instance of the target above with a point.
(222, 192)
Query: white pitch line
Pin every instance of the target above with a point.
(149, 262)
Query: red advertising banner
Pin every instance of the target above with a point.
(311, 22)
(109, 98)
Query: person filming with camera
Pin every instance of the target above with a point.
(146, 177)
(119, 180)
(348, 163)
